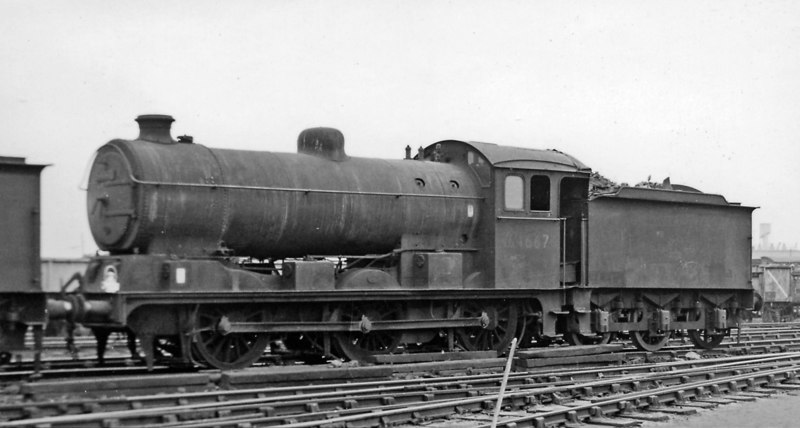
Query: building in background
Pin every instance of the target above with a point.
(766, 251)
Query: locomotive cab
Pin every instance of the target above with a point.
(535, 205)
(533, 230)
(539, 225)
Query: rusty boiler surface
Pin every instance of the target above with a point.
(188, 199)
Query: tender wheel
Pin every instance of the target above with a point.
(358, 345)
(703, 340)
(498, 333)
(227, 351)
(577, 339)
(645, 342)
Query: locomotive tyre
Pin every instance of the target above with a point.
(359, 346)
(497, 335)
(226, 351)
(643, 341)
(702, 340)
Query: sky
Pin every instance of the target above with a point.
(704, 92)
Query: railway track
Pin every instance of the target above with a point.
(120, 395)
(754, 339)
(545, 398)
(117, 348)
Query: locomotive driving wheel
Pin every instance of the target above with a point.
(227, 351)
(359, 345)
(496, 334)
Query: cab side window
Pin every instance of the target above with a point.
(514, 191)
(540, 193)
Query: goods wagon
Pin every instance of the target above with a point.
(22, 301)
(776, 290)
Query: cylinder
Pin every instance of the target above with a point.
(76, 308)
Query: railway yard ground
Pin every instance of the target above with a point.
(749, 382)
(778, 411)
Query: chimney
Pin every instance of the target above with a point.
(155, 128)
(764, 230)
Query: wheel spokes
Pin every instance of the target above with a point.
(497, 335)
(359, 346)
(227, 351)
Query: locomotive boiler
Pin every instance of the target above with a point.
(185, 199)
(214, 253)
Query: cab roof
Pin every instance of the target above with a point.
(525, 158)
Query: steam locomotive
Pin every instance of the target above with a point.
(212, 254)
